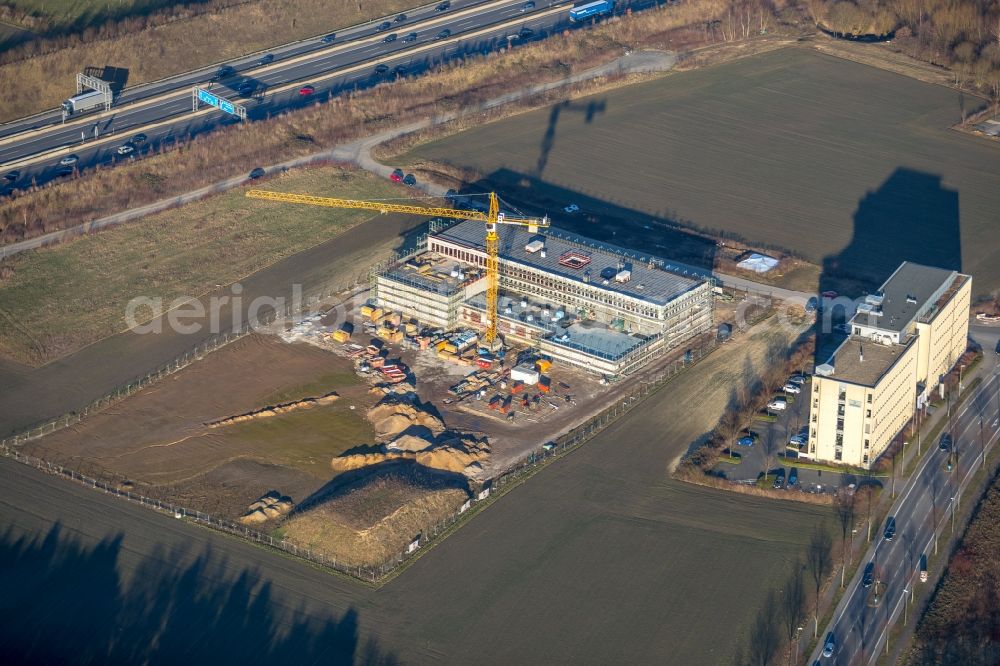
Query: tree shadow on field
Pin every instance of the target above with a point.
(67, 602)
(911, 217)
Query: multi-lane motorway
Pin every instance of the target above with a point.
(356, 57)
(924, 517)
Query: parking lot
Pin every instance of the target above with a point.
(789, 422)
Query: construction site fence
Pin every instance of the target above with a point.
(484, 492)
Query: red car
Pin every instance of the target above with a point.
(396, 176)
(305, 91)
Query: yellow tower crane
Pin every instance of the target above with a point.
(491, 218)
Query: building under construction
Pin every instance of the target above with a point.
(603, 308)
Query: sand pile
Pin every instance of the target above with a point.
(270, 506)
(455, 456)
(305, 403)
(394, 414)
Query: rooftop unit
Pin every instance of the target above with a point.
(574, 259)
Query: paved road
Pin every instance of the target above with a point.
(859, 622)
(163, 111)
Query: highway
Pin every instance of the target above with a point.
(32, 148)
(929, 499)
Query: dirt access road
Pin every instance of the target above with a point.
(600, 557)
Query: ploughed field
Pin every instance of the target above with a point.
(853, 168)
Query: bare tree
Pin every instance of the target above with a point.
(764, 634)
(843, 506)
(730, 424)
(769, 449)
(866, 492)
(818, 562)
(792, 601)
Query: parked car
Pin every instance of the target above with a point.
(528, 6)
(126, 149)
(793, 477)
(305, 91)
(412, 37)
(410, 180)
(69, 160)
(869, 576)
(268, 58)
(748, 439)
(381, 69)
(391, 37)
(444, 6)
(791, 387)
(797, 440)
(12, 175)
(385, 25)
(890, 528)
(998, 348)
(444, 34)
(779, 482)
(829, 645)
(812, 304)
(396, 176)
(138, 139)
(257, 173)
(945, 442)
(399, 18)
(328, 39)
(798, 379)
(778, 404)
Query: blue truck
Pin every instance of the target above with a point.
(585, 10)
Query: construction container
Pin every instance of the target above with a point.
(376, 314)
(366, 311)
(377, 362)
(441, 345)
(396, 336)
(424, 342)
(525, 374)
(544, 384)
(449, 347)
(517, 387)
(395, 319)
(484, 362)
(410, 328)
(543, 365)
(340, 335)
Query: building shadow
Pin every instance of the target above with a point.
(912, 217)
(598, 218)
(65, 601)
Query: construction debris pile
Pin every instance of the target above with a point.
(305, 403)
(270, 506)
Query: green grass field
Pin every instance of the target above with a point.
(62, 298)
(852, 167)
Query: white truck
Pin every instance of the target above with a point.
(83, 102)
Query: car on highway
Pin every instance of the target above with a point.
(247, 88)
(778, 404)
(444, 6)
(383, 26)
(396, 176)
(526, 33)
(11, 176)
(944, 444)
(69, 160)
(126, 149)
(410, 180)
(138, 139)
(305, 91)
(257, 173)
(869, 576)
(328, 39)
(791, 387)
(444, 34)
(399, 18)
(890, 528)
(391, 37)
(268, 58)
(412, 37)
(382, 69)
(223, 72)
(528, 6)
(829, 645)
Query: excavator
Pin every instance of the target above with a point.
(492, 218)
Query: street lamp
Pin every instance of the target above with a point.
(853, 532)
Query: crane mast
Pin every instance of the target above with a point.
(492, 218)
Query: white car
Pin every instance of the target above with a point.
(572, 208)
(791, 387)
(797, 379)
(777, 404)
(69, 160)
(125, 149)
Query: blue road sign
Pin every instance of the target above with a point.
(217, 102)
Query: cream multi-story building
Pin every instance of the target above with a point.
(903, 340)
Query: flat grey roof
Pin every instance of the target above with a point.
(652, 285)
(922, 283)
(878, 358)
